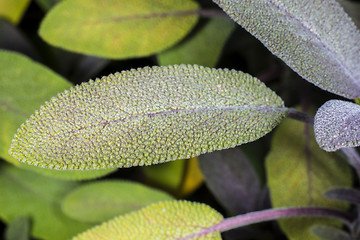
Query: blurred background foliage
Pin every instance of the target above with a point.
(49, 45)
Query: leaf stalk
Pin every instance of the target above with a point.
(273, 214)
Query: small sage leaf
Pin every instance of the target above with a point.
(337, 125)
(148, 116)
(162, 221)
(329, 232)
(317, 39)
(102, 200)
(349, 195)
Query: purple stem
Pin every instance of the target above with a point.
(300, 116)
(273, 214)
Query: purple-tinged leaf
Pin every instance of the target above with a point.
(232, 179)
(317, 39)
(337, 125)
(326, 232)
(344, 194)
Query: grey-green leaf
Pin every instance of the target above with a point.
(317, 39)
(337, 125)
(148, 116)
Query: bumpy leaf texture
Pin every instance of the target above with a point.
(337, 125)
(147, 116)
(162, 221)
(315, 38)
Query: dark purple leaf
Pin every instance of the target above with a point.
(232, 179)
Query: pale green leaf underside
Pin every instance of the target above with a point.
(337, 125)
(148, 116)
(118, 29)
(315, 38)
(102, 200)
(162, 221)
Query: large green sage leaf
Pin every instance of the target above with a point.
(315, 38)
(162, 221)
(148, 116)
(102, 200)
(299, 173)
(337, 125)
(118, 29)
(24, 86)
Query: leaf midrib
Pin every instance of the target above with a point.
(219, 108)
(142, 17)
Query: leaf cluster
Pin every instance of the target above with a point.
(170, 84)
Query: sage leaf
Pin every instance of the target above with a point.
(299, 172)
(181, 177)
(24, 86)
(337, 125)
(232, 179)
(118, 29)
(203, 48)
(99, 201)
(148, 116)
(165, 220)
(12, 10)
(26, 193)
(317, 39)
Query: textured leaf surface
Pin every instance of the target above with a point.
(18, 229)
(24, 86)
(162, 221)
(203, 48)
(118, 29)
(315, 38)
(13, 10)
(337, 125)
(299, 173)
(25, 193)
(232, 179)
(102, 200)
(148, 116)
